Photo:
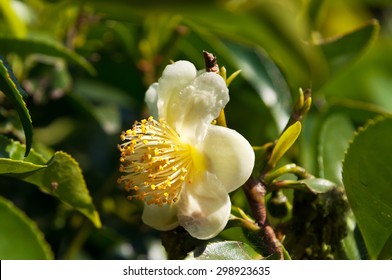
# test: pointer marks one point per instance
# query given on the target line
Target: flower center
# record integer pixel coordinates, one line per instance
(157, 164)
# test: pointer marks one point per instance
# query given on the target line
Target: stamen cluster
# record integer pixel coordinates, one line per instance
(154, 161)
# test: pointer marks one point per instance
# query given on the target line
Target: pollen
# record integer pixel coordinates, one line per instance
(155, 164)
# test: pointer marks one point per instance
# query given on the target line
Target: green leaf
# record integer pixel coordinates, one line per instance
(334, 138)
(266, 78)
(385, 253)
(314, 185)
(10, 149)
(335, 135)
(9, 166)
(60, 177)
(14, 22)
(370, 93)
(367, 170)
(45, 46)
(344, 49)
(224, 250)
(318, 185)
(64, 172)
(285, 141)
(20, 238)
(11, 88)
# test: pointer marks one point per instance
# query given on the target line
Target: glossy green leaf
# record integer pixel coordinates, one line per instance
(266, 78)
(314, 185)
(370, 93)
(20, 238)
(335, 135)
(14, 150)
(344, 49)
(367, 170)
(63, 179)
(318, 185)
(12, 89)
(284, 143)
(60, 177)
(224, 250)
(45, 46)
(9, 166)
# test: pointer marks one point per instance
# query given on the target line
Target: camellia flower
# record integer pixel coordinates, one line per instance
(179, 163)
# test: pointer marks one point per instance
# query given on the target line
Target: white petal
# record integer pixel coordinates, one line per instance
(229, 156)
(198, 105)
(174, 78)
(204, 208)
(151, 99)
(161, 218)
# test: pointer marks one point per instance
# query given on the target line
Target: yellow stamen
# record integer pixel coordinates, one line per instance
(155, 163)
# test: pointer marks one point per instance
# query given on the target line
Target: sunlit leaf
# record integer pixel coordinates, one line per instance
(344, 49)
(370, 93)
(335, 135)
(63, 179)
(9, 166)
(60, 177)
(366, 175)
(336, 132)
(14, 22)
(314, 185)
(11, 88)
(20, 238)
(225, 250)
(285, 141)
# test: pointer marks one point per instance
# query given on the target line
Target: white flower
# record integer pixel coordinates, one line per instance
(179, 163)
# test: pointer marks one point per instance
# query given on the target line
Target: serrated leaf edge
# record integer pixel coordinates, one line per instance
(361, 129)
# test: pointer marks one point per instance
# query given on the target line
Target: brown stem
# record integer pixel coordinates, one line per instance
(255, 192)
(256, 189)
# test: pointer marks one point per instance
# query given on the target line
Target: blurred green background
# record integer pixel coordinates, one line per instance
(86, 65)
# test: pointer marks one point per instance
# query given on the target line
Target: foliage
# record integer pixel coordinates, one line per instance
(73, 75)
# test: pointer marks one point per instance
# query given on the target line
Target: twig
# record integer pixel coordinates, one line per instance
(255, 192)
